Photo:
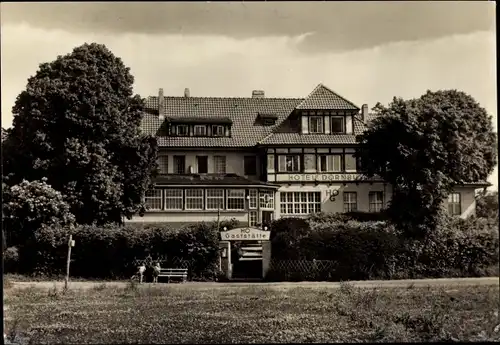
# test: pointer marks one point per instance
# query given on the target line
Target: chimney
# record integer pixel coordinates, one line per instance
(258, 94)
(161, 102)
(186, 92)
(364, 112)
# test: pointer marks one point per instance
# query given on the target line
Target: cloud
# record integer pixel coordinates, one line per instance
(218, 65)
(337, 26)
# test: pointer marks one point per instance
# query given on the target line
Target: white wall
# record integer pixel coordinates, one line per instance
(329, 206)
(468, 200)
(234, 160)
(188, 216)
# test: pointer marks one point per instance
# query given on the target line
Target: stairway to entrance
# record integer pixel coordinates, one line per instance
(249, 265)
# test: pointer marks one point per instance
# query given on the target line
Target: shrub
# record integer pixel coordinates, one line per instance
(461, 247)
(375, 249)
(323, 217)
(30, 205)
(11, 259)
(112, 251)
(286, 234)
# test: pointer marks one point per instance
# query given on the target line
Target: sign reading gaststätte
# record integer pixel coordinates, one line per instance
(249, 234)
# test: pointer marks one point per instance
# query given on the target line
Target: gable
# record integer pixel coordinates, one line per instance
(322, 98)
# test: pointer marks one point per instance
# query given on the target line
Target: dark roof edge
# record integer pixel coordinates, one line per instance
(479, 184)
(229, 98)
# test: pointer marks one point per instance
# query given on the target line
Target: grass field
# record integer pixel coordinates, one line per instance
(177, 313)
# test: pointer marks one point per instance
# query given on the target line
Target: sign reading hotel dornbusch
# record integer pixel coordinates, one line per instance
(320, 177)
(245, 234)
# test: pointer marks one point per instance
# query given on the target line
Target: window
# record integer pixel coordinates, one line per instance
(315, 124)
(376, 201)
(253, 198)
(194, 199)
(289, 163)
(454, 204)
(215, 199)
(350, 162)
(250, 165)
(267, 200)
(337, 124)
(253, 218)
(163, 164)
(330, 163)
(350, 201)
(270, 162)
(300, 203)
(309, 162)
(173, 199)
(235, 199)
(202, 162)
(200, 130)
(220, 164)
(182, 130)
(153, 199)
(179, 164)
(218, 131)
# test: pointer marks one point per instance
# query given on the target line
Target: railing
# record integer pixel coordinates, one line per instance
(286, 270)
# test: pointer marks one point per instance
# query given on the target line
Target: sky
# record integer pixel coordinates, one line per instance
(368, 52)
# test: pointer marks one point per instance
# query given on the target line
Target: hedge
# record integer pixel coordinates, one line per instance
(344, 248)
(111, 251)
(376, 250)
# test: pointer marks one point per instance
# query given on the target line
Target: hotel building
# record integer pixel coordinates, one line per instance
(257, 159)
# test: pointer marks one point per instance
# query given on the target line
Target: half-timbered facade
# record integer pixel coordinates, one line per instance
(256, 159)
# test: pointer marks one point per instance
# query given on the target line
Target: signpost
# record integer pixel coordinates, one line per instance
(71, 243)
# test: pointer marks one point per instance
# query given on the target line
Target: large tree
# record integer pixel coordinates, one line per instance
(487, 204)
(424, 147)
(78, 124)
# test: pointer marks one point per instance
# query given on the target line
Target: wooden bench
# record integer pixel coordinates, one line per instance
(174, 273)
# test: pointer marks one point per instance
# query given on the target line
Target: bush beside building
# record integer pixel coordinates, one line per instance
(112, 251)
(339, 247)
(323, 247)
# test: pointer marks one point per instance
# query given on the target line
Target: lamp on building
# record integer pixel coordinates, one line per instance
(224, 228)
(265, 228)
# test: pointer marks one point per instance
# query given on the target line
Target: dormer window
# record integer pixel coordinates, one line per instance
(182, 130)
(316, 124)
(200, 130)
(267, 119)
(337, 124)
(217, 131)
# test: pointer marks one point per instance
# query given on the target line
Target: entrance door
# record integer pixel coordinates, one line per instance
(246, 258)
(202, 164)
(267, 218)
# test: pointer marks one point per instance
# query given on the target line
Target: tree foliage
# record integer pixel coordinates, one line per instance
(487, 204)
(28, 206)
(424, 147)
(78, 124)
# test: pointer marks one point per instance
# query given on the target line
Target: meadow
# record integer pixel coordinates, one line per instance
(246, 313)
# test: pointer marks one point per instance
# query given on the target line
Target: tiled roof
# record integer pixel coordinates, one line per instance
(287, 134)
(308, 139)
(478, 184)
(207, 120)
(243, 113)
(209, 179)
(324, 98)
